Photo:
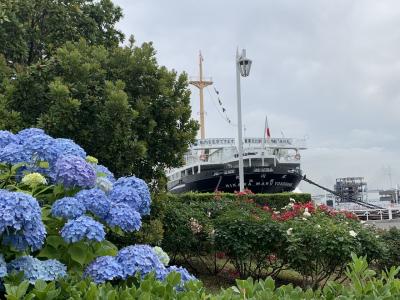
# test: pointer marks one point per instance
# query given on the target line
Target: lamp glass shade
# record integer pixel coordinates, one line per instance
(245, 66)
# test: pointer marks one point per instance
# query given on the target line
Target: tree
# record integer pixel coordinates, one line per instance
(31, 31)
(123, 108)
(62, 69)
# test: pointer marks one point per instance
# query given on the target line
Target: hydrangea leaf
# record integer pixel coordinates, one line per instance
(17, 292)
(49, 252)
(173, 278)
(78, 253)
(105, 248)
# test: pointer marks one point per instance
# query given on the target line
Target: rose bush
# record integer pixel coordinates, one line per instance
(258, 241)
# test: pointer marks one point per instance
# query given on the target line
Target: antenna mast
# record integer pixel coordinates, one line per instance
(201, 84)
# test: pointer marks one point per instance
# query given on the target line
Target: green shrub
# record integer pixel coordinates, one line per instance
(187, 231)
(320, 247)
(276, 201)
(391, 238)
(252, 241)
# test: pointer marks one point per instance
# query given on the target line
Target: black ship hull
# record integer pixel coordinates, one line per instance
(257, 181)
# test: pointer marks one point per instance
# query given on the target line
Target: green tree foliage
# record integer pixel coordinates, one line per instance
(117, 103)
(61, 69)
(31, 31)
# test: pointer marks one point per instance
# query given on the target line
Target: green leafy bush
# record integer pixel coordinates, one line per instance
(361, 283)
(258, 241)
(252, 241)
(391, 238)
(320, 247)
(276, 201)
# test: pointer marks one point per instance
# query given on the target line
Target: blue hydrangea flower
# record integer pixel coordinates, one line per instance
(95, 201)
(13, 154)
(40, 147)
(138, 258)
(74, 171)
(104, 172)
(124, 188)
(54, 269)
(6, 138)
(68, 208)
(82, 228)
(68, 147)
(35, 269)
(103, 268)
(123, 216)
(28, 132)
(21, 223)
(161, 274)
(3, 266)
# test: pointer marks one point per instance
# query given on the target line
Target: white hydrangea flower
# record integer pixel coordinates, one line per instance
(289, 231)
(292, 200)
(318, 226)
(34, 179)
(162, 255)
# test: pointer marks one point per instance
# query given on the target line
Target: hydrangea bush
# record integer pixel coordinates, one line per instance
(56, 199)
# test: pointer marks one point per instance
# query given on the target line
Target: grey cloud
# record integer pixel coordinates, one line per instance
(325, 69)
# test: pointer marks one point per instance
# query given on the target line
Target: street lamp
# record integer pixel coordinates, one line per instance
(243, 65)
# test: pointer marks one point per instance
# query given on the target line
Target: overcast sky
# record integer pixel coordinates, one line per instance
(325, 70)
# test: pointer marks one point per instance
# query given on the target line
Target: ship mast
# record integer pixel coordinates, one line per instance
(200, 83)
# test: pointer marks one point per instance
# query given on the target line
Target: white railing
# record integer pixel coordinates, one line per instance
(281, 143)
(377, 214)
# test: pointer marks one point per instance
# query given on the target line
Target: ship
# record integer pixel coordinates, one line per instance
(271, 165)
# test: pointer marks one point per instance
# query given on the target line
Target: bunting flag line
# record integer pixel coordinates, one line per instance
(223, 114)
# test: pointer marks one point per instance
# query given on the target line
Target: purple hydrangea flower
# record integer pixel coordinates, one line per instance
(138, 258)
(95, 201)
(21, 223)
(125, 186)
(6, 138)
(74, 171)
(82, 228)
(68, 208)
(123, 216)
(103, 268)
(35, 269)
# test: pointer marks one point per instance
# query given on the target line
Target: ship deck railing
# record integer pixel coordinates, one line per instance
(250, 142)
(222, 158)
